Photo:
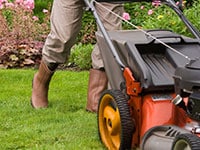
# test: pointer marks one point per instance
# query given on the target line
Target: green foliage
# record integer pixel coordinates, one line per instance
(81, 56)
(8, 16)
(138, 13)
(159, 19)
(40, 5)
(193, 14)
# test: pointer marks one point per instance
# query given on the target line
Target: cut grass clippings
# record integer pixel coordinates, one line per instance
(64, 125)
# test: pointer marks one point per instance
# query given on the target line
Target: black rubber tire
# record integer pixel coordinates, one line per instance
(186, 141)
(117, 104)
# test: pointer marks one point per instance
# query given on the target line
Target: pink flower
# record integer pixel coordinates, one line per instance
(142, 7)
(9, 4)
(150, 12)
(2, 2)
(35, 18)
(126, 16)
(45, 11)
(29, 4)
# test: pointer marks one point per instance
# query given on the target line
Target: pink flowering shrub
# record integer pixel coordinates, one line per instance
(21, 34)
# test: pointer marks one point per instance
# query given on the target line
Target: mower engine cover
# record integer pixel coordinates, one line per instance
(188, 78)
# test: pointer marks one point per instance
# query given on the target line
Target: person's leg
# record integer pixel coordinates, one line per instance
(65, 25)
(97, 77)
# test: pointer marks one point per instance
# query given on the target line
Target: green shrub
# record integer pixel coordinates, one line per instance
(138, 13)
(40, 5)
(164, 17)
(81, 56)
(193, 14)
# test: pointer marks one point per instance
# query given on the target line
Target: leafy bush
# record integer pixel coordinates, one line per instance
(193, 14)
(158, 18)
(138, 13)
(40, 5)
(81, 56)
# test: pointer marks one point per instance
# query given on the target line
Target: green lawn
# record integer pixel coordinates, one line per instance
(64, 125)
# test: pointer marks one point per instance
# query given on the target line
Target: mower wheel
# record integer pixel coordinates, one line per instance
(114, 121)
(186, 141)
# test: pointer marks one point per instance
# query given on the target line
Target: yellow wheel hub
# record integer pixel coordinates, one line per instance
(109, 122)
(114, 121)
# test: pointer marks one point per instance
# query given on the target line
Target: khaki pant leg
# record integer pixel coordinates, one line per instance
(110, 22)
(66, 19)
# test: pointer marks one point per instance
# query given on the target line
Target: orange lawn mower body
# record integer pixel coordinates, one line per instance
(153, 99)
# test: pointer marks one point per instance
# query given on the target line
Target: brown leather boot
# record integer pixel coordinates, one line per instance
(41, 80)
(97, 84)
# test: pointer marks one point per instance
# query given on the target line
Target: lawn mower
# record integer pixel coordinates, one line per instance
(153, 99)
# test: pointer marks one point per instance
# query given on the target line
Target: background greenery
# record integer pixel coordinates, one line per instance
(21, 40)
(40, 5)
